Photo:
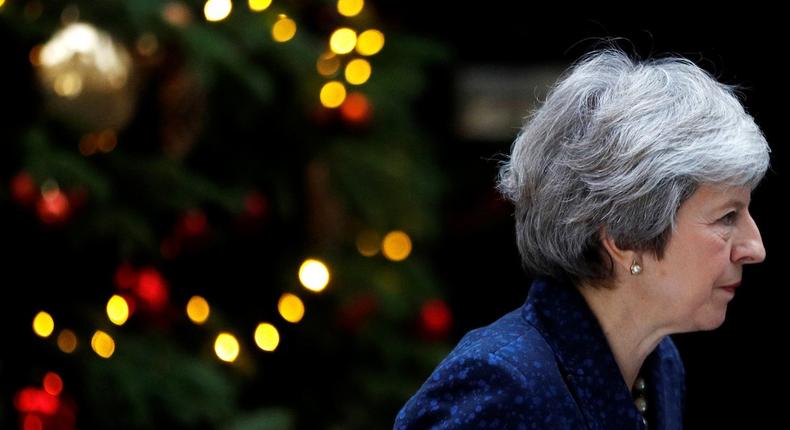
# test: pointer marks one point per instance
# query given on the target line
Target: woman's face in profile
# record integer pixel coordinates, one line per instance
(714, 238)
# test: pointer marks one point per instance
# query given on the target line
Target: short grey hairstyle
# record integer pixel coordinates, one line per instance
(621, 143)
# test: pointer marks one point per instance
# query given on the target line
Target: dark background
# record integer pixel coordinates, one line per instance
(735, 375)
(731, 372)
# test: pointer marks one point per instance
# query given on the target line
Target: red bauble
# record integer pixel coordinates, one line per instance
(435, 318)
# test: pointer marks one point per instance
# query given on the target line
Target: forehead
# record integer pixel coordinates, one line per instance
(709, 197)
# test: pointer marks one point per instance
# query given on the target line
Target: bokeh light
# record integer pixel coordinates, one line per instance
(259, 5)
(436, 317)
(328, 64)
(198, 309)
(53, 206)
(333, 94)
(217, 10)
(67, 341)
(343, 40)
(368, 243)
(52, 383)
(284, 29)
(350, 8)
(396, 245)
(103, 344)
(117, 310)
(226, 347)
(370, 42)
(43, 324)
(357, 71)
(267, 337)
(314, 275)
(356, 109)
(32, 422)
(291, 307)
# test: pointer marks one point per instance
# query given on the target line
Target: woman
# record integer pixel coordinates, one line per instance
(631, 186)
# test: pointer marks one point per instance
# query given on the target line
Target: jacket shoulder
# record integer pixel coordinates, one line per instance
(501, 376)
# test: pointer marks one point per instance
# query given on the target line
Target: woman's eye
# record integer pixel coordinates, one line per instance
(730, 217)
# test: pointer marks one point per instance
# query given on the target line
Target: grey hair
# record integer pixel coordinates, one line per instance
(621, 143)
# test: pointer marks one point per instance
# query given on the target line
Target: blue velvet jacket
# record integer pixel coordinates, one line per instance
(547, 365)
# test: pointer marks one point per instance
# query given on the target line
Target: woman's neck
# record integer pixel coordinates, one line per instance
(627, 324)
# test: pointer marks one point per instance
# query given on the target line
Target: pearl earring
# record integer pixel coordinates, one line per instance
(636, 268)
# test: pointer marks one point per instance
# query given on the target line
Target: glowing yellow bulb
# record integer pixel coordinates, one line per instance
(198, 309)
(358, 71)
(284, 29)
(314, 275)
(67, 341)
(396, 245)
(2, 2)
(259, 5)
(266, 337)
(368, 243)
(370, 42)
(343, 40)
(291, 308)
(333, 94)
(43, 324)
(102, 344)
(117, 310)
(226, 347)
(350, 7)
(217, 10)
(327, 64)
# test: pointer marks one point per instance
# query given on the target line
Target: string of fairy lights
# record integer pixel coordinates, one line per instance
(346, 47)
(313, 275)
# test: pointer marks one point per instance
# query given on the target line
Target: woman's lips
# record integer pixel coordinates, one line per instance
(731, 288)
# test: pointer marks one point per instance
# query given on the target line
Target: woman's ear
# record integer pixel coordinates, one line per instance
(622, 258)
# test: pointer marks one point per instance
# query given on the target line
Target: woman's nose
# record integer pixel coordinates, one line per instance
(749, 249)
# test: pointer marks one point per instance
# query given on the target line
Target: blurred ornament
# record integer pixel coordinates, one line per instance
(355, 110)
(177, 14)
(189, 234)
(192, 224)
(435, 318)
(152, 289)
(36, 400)
(87, 77)
(23, 189)
(52, 383)
(53, 206)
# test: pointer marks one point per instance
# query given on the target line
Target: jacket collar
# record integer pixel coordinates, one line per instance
(560, 313)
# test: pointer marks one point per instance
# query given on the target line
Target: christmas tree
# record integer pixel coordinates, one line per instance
(216, 215)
